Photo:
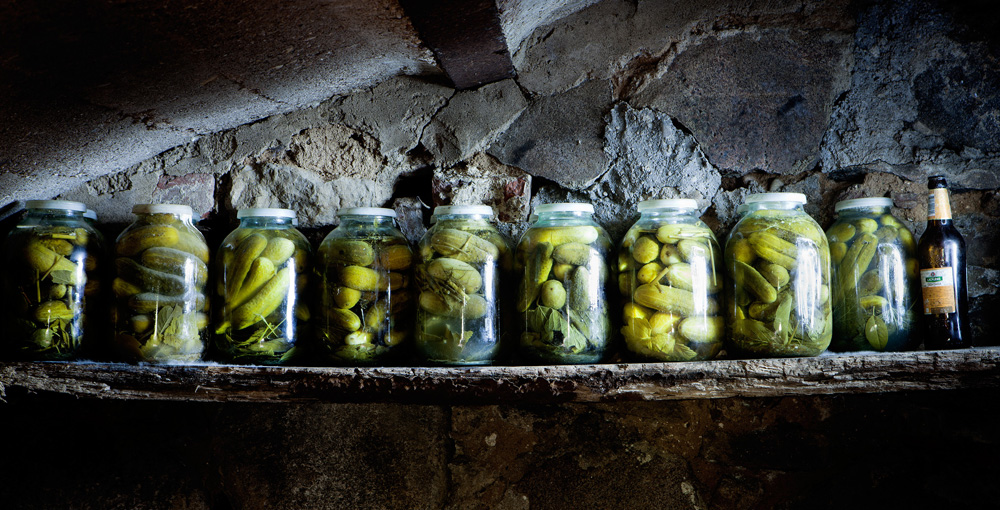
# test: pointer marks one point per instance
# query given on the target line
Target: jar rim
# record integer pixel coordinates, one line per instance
(62, 205)
(366, 211)
(856, 203)
(178, 209)
(781, 196)
(265, 212)
(481, 210)
(565, 207)
(667, 203)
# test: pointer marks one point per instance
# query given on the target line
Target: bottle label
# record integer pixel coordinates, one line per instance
(938, 205)
(938, 285)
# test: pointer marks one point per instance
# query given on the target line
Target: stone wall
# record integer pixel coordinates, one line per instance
(623, 101)
(614, 102)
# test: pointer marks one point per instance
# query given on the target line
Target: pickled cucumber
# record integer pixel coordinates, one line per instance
(873, 283)
(160, 290)
(779, 295)
(362, 272)
(458, 275)
(562, 294)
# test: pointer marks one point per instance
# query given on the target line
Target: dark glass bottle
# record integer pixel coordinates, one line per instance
(941, 254)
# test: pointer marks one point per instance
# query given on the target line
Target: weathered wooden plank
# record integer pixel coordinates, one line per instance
(847, 374)
(466, 38)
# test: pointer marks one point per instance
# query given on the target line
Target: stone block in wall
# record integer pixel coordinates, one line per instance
(195, 190)
(471, 120)
(324, 169)
(755, 99)
(924, 98)
(484, 180)
(560, 138)
(395, 112)
(112, 196)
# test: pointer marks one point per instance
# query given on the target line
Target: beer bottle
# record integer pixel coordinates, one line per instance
(941, 255)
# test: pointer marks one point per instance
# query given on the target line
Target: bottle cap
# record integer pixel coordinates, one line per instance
(565, 207)
(856, 203)
(775, 197)
(478, 210)
(667, 203)
(178, 209)
(265, 212)
(366, 211)
(62, 205)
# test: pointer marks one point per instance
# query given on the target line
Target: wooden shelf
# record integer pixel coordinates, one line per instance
(836, 374)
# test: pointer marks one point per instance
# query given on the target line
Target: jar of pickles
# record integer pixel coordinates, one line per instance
(562, 263)
(778, 298)
(52, 263)
(261, 285)
(459, 278)
(670, 278)
(874, 277)
(364, 289)
(161, 265)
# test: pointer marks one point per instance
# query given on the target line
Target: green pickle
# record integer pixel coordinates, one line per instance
(873, 288)
(671, 304)
(562, 262)
(778, 299)
(262, 281)
(52, 282)
(364, 286)
(458, 274)
(161, 305)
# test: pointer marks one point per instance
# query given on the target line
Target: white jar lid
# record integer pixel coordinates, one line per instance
(667, 203)
(366, 211)
(478, 210)
(90, 214)
(63, 205)
(565, 207)
(265, 212)
(178, 209)
(855, 203)
(775, 197)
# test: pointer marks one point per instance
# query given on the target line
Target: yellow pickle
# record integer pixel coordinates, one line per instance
(778, 298)
(874, 281)
(671, 304)
(363, 277)
(262, 280)
(161, 274)
(562, 263)
(52, 280)
(462, 258)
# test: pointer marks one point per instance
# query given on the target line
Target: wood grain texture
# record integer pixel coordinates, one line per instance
(840, 374)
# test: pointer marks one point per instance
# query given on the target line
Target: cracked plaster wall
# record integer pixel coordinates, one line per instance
(615, 102)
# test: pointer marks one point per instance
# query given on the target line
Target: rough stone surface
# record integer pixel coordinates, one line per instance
(651, 158)
(411, 217)
(472, 120)
(923, 97)
(560, 138)
(755, 100)
(394, 112)
(92, 89)
(484, 180)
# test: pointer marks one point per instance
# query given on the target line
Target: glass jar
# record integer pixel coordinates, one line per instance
(261, 285)
(670, 278)
(364, 289)
(459, 278)
(562, 263)
(52, 264)
(778, 296)
(160, 303)
(874, 277)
